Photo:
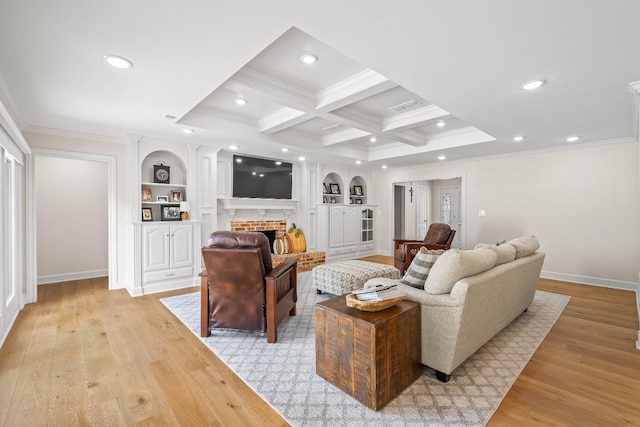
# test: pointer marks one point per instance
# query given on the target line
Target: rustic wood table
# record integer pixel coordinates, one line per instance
(373, 356)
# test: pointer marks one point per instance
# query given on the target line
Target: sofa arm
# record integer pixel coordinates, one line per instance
(283, 267)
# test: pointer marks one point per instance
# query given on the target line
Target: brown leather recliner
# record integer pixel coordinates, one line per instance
(439, 236)
(240, 290)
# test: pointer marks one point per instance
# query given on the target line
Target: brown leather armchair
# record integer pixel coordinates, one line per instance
(240, 290)
(439, 236)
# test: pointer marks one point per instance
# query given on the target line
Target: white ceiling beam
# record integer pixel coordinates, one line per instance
(281, 119)
(408, 137)
(413, 118)
(355, 88)
(282, 92)
(343, 136)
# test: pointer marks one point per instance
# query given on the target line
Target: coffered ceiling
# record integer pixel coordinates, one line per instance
(460, 63)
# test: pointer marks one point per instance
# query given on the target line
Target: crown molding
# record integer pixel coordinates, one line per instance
(413, 117)
(343, 136)
(288, 94)
(281, 119)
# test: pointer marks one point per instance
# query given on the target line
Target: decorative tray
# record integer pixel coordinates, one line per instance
(354, 302)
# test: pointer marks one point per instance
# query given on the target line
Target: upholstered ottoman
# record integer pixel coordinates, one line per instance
(342, 277)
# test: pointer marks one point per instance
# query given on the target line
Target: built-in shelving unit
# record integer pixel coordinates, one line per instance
(358, 191)
(333, 190)
(155, 195)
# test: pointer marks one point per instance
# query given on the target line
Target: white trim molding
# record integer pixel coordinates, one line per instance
(586, 280)
(56, 278)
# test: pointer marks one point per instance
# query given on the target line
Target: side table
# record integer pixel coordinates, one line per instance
(372, 356)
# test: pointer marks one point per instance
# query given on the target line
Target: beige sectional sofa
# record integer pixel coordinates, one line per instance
(469, 296)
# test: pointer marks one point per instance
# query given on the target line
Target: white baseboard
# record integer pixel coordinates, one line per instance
(164, 287)
(586, 280)
(56, 278)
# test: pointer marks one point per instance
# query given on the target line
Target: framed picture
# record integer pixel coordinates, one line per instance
(146, 214)
(164, 199)
(176, 195)
(170, 213)
(325, 188)
(358, 201)
(333, 200)
(357, 190)
(324, 199)
(335, 188)
(146, 195)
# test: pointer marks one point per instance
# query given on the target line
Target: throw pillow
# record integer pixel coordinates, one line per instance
(505, 252)
(420, 267)
(454, 265)
(525, 246)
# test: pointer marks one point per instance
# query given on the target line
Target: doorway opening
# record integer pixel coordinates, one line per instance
(420, 203)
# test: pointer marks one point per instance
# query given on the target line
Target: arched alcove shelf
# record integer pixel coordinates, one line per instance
(358, 191)
(333, 190)
(169, 191)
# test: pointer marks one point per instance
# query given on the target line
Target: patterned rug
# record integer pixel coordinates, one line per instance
(292, 388)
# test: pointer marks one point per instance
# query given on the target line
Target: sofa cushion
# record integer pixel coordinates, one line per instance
(420, 267)
(454, 265)
(505, 252)
(525, 246)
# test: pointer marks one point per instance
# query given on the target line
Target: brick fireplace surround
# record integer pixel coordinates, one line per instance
(306, 260)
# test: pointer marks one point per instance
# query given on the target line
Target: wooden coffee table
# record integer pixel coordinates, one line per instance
(372, 356)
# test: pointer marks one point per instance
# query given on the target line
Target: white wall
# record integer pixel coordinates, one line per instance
(582, 204)
(71, 211)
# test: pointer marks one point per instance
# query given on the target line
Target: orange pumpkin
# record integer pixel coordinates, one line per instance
(297, 244)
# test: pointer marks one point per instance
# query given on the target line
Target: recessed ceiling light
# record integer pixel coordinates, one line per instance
(233, 147)
(358, 162)
(118, 61)
(308, 58)
(442, 157)
(261, 175)
(302, 158)
(373, 139)
(285, 149)
(187, 131)
(241, 101)
(384, 166)
(518, 138)
(533, 84)
(573, 138)
(441, 123)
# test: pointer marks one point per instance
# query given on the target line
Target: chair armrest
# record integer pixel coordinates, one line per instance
(398, 242)
(283, 267)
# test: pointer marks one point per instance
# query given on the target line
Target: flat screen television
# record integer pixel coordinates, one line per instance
(261, 178)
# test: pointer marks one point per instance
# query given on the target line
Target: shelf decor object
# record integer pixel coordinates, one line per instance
(146, 214)
(161, 174)
(185, 208)
(146, 195)
(170, 213)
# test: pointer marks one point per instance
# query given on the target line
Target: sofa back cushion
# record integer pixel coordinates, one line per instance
(505, 252)
(525, 246)
(420, 267)
(454, 265)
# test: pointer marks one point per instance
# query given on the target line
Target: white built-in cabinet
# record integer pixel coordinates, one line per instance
(345, 231)
(167, 252)
(167, 247)
(344, 220)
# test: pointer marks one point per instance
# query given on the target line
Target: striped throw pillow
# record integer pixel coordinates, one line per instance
(420, 267)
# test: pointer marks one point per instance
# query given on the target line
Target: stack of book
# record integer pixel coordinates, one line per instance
(379, 293)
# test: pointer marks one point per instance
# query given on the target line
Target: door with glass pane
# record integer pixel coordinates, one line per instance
(366, 229)
(449, 205)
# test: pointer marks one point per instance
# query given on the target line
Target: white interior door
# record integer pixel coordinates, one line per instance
(11, 277)
(449, 206)
(422, 213)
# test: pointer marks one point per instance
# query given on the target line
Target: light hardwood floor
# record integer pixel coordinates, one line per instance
(83, 355)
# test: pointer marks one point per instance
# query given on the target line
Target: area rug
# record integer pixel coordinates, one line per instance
(284, 373)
